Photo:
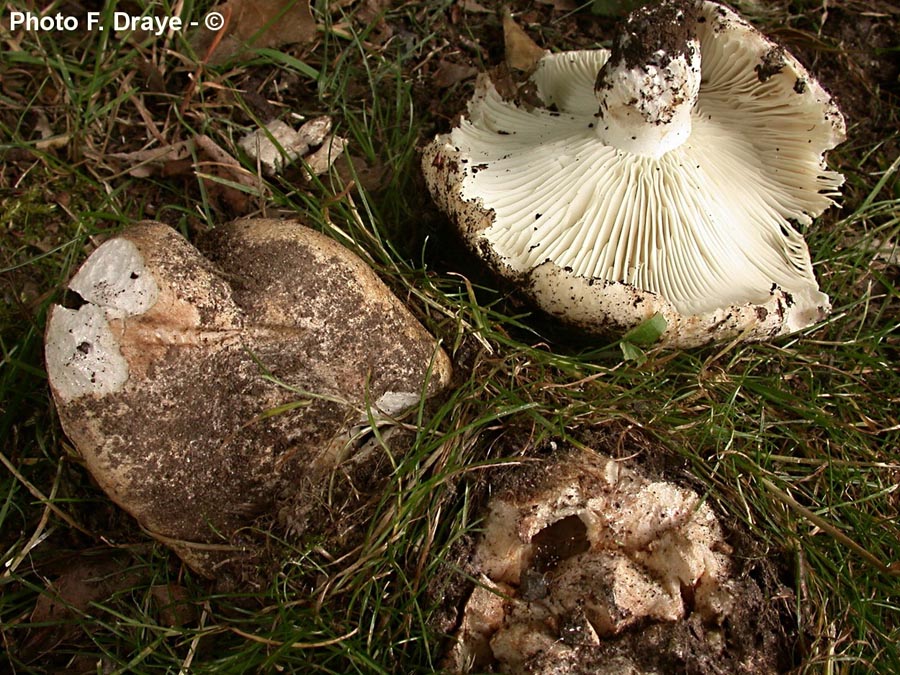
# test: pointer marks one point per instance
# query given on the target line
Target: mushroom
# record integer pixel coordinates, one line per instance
(199, 389)
(581, 555)
(668, 177)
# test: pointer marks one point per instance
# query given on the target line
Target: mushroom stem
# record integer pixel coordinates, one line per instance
(650, 85)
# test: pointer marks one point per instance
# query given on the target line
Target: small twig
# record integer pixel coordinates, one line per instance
(220, 159)
(194, 545)
(189, 93)
(42, 498)
(294, 645)
(147, 118)
(824, 525)
(192, 650)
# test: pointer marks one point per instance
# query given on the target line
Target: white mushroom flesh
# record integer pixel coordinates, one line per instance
(584, 550)
(83, 348)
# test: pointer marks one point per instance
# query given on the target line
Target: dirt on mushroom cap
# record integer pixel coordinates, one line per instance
(243, 379)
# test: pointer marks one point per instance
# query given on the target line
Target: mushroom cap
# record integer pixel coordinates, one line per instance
(198, 388)
(606, 235)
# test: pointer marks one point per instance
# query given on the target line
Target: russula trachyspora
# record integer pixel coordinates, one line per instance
(667, 176)
(586, 565)
(199, 387)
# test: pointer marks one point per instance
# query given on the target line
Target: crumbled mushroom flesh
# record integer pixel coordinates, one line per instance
(587, 551)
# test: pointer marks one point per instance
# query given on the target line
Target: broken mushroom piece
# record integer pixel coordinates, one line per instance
(668, 176)
(200, 388)
(277, 145)
(584, 563)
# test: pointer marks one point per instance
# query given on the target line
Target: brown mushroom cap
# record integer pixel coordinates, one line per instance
(198, 388)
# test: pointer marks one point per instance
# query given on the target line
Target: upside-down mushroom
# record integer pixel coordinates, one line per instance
(667, 176)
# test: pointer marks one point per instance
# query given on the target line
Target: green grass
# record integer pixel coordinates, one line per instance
(796, 441)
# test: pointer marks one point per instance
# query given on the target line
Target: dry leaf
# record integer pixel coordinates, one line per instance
(273, 146)
(448, 74)
(371, 13)
(278, 144)
(522, 53)
(220, 173)
(474, 7)
(49, 140)
(154, 161)
(254, 24)
(314, 132)
(86, 580)
(217, 169)
(215, 163)
(367, 177)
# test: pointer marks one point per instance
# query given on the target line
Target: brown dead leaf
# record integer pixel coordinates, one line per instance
(357, 170)
(218, 170)
(173, 605)
(474, 7)
(255, 24)
(320, 161)
(278, 144)
(86, 580)
(522, 53)
(153, 161)
(448, 74)
(221, 174)
(505, 82)
(371, 13)
(49, 140)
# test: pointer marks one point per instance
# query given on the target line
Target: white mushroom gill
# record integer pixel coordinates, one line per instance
(707, 219)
